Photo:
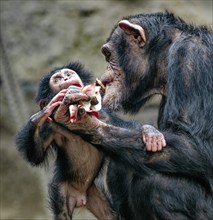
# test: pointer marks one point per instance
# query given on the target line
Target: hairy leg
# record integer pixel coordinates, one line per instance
(98, 204)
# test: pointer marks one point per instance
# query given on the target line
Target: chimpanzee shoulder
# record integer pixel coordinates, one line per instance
(174, 61)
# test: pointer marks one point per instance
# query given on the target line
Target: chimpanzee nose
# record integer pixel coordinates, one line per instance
(66, 77)
(103, 48)
(106, 51)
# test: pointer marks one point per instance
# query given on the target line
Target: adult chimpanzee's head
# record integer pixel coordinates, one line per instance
(137, 50)
(61, 78)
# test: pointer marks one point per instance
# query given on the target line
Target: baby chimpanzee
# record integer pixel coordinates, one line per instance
(78, 162)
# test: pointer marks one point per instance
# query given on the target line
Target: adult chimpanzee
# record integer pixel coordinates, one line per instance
(78, 162)
(152, 54)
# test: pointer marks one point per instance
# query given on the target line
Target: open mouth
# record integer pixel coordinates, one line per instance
(101, 84)
(106, 84)
(78, 85)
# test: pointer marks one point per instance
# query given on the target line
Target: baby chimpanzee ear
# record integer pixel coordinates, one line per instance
(42, 104)
(135, 30)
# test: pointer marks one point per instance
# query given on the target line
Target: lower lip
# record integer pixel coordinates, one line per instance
(78, 85)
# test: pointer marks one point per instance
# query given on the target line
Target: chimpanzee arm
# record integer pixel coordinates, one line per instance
(35, 138)
(180, 157)
(33, 142)
(183, 156)
(122, 143)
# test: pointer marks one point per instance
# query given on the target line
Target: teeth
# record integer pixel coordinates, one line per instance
(99, 83)
(106, 88)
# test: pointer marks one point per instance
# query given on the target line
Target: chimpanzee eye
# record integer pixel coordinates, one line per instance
(57, 79)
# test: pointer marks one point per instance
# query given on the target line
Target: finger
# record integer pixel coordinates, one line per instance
(49, 120)
(73, 110)
(55, 104)
(159, 146)
(47, 112)
(73, 89)
(144, 138)
(58, 97)
(73, 98)
(154, 145)
(163, 142)
(42, 120)
(49, 109)
(148, 144)
(63, 91)
(62, 109)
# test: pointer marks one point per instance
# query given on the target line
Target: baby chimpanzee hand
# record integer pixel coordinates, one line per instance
(46, 110)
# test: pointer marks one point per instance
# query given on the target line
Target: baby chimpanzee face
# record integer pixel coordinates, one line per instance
(63, 79)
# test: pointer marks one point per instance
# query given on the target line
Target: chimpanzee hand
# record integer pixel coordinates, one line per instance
(42, 116)
(73, 96)
(87, 123)
(153, 138)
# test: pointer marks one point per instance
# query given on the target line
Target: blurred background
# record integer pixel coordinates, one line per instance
(38, 35)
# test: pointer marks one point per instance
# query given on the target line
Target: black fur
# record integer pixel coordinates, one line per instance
(44, 89)
(27, 146)
(24, 139)
(31, 145)
(31, 148)
(176, 183)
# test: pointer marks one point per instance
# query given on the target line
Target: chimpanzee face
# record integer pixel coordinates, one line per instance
(125, 64)
(63, 79)
(113, 79)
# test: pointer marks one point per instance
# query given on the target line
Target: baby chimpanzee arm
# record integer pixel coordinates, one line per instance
(33, 141)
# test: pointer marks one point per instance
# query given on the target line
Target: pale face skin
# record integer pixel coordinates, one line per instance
(63, 79)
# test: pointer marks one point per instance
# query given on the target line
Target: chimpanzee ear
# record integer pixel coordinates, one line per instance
(135, 30)
(42, 104)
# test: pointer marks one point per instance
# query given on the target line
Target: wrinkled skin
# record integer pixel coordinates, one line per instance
(63, 79)
(153, 139)
(158, 54)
